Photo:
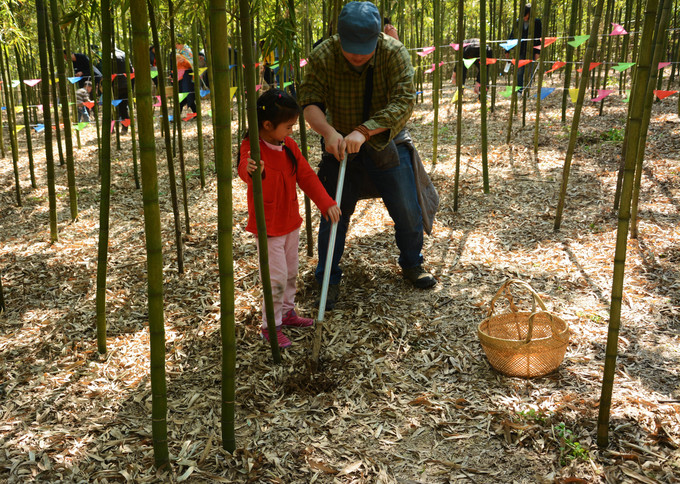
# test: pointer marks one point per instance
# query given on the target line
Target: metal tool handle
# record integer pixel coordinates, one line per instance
(331, 242)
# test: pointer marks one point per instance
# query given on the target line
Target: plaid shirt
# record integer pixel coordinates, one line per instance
(332, 82)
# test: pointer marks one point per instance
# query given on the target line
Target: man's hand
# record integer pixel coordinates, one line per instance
(335, 145)
(354, 140)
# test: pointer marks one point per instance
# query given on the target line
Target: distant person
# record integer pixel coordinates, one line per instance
(120, 85)
(472, 49)
(283, 169)
(83, 96)
(81, 68)
(184, 60)
(537, 34)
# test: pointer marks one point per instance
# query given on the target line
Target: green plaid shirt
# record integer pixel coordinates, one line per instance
(331, 81)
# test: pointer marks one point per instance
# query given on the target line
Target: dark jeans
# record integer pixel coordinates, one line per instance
(397, 189)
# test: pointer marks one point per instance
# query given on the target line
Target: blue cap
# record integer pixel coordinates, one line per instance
(359, 27)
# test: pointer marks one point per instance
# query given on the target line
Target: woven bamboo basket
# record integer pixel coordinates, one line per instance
(520, 343)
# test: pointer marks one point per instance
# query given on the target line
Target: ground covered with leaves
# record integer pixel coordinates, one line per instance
(403, 392)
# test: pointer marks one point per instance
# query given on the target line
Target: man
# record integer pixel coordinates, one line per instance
(358, 94)
(537, 34)
(472, 50)
(120, 86)
(81, 68)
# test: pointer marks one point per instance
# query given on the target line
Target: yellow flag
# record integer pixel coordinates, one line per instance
(19, 127)
(202, 70)
(573, 93)
(232, 91)
(455, 96)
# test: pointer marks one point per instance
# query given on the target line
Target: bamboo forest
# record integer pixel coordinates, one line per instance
(538, 341)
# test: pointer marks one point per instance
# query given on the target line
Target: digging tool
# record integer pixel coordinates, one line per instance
(316, 346)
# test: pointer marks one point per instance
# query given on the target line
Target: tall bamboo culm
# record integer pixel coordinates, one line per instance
(220, 87)
(539, 87)
(484, 75)
(459, 89)
(152, 231)
(197, 97)
(165, 123)
(47, 116)
(635, 121)
(592, 43)
(436, 84)
(659, 50)
(11, 121)
(27, 121)
(253, 134)
(105, 178)
(570, 57)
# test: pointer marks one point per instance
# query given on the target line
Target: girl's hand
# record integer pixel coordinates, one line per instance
(252, 166)
(333, 214)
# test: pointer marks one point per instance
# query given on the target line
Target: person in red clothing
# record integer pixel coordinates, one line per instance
(283, 169)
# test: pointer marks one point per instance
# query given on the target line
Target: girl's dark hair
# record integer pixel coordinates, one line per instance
(276, 106)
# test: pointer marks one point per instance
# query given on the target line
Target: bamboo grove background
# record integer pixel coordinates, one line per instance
(34, 34)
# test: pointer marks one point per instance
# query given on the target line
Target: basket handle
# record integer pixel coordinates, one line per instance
(505, 288)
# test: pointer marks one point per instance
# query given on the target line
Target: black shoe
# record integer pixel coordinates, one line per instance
(419, 277)
(331, 296)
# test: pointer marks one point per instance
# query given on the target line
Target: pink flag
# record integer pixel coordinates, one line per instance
(441, 63)
(113, 123)
(455, 46)
(618, 30)
(257, 88)
(159, 101)
(180, 74)
(303, 62)
(431, 69)
(426, 51)
(31, 82)
(601, 94)
(663, 64)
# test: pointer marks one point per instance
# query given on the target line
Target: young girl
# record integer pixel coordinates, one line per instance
(283, 168)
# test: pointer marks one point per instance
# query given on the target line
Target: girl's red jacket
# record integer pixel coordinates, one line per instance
(279, 188)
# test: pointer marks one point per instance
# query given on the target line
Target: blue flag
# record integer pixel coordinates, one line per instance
(509, 44)
(205, 92)
(116, 102)
(545, 92)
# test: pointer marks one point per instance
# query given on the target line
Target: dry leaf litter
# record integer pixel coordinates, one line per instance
(404, 393)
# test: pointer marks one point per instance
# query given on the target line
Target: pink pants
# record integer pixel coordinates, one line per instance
(283, 271)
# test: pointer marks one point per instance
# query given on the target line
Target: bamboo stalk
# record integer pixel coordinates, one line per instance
(483, 77)
(131, 99)
(11, 121)
(253, 133)
(197, 96)
(537, 125)
(592, 42)
(459, 87)
(105, 179)
(637, 100)
(47, 116)
(166, 130)
(27, 121)
(152, 230)
(659, 50)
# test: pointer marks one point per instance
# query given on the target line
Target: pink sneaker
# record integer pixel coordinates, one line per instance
(282, 339)
(292, 319)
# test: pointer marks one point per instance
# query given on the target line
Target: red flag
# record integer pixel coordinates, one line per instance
(125, 122)
(556, 65)
(522, 62)
(490, 60)
(663, 94)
